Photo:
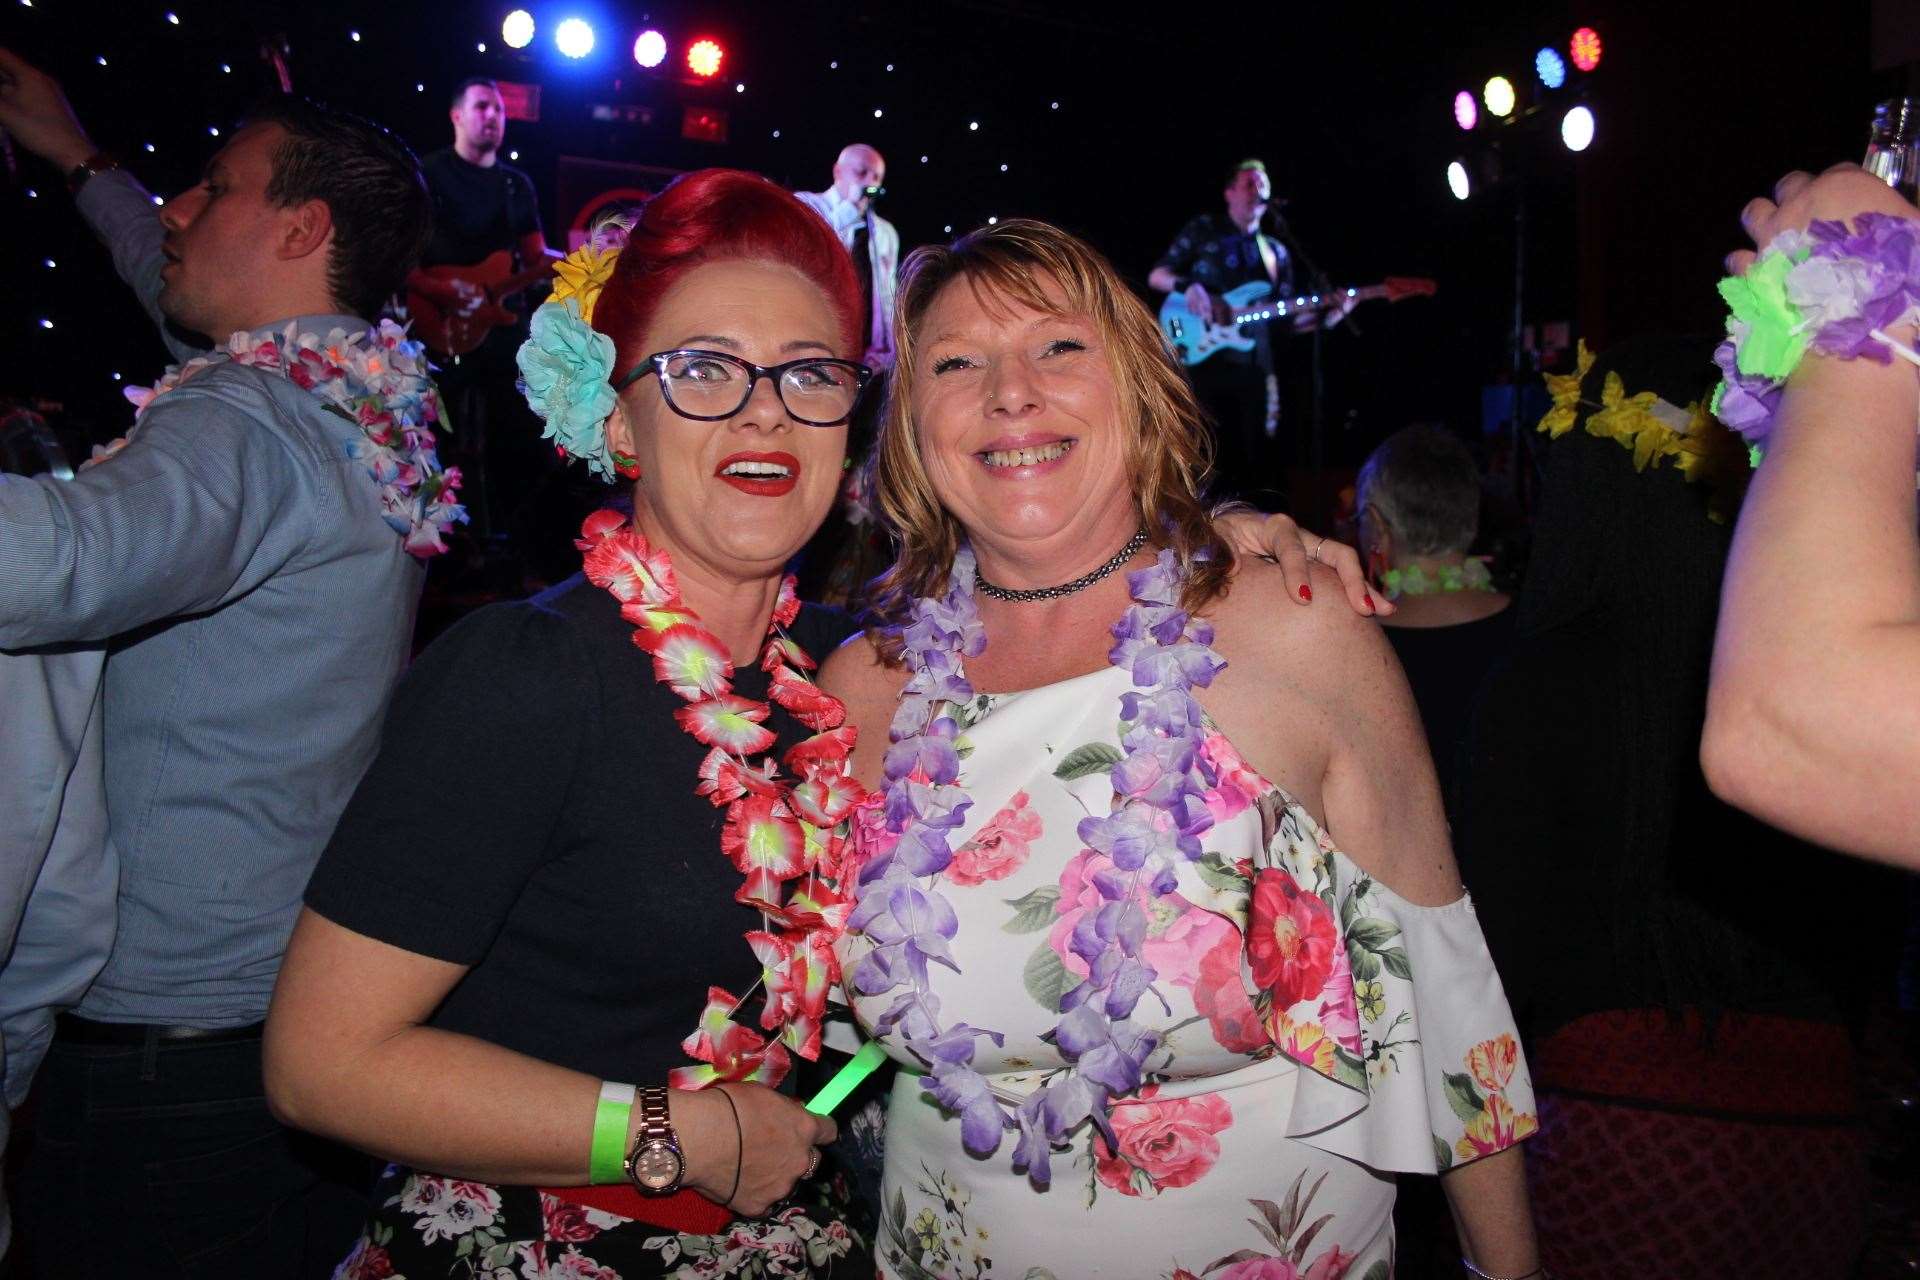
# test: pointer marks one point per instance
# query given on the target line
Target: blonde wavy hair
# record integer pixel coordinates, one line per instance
(1169, 447)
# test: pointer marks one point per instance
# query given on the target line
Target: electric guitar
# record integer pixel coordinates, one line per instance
(452, 331)
(1194, 338)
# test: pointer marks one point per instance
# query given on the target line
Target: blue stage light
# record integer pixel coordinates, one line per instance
(1550, 67)
(574, 38)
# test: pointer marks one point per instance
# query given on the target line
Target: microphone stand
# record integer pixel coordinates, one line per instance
(1316, 516)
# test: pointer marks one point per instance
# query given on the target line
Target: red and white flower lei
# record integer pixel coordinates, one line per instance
(785, 837)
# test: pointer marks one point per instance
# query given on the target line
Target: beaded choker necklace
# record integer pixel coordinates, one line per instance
(1085, 580)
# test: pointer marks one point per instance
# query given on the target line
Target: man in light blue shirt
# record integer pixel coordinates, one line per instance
(243, 569)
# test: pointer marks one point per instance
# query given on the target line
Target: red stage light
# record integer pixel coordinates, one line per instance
(1585, 48)
(704, 57)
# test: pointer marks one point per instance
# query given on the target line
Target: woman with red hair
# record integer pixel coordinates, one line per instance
(524, 911)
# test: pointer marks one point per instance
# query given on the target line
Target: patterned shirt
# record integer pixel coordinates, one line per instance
(1212, 251)
(258, 611)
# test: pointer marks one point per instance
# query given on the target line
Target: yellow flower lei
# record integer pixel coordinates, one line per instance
(1703, 448)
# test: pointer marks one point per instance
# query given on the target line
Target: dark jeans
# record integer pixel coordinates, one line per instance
(162, 1161)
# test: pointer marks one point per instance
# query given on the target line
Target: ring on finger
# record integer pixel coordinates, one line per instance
(813, 1165)
(1314, 555)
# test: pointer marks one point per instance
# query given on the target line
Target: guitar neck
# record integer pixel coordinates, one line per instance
(525, 280)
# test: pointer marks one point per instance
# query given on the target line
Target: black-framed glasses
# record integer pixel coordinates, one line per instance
(710, 385)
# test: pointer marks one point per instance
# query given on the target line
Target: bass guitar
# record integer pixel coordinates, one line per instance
(1194, 338)
(454, 330)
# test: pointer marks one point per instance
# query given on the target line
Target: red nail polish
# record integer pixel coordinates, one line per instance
(1306, 592)
(1368, 597)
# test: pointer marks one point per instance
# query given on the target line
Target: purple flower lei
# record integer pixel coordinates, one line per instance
(1847, 285)
(1160, 783)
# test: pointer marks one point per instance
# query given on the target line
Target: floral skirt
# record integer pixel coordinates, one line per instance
(424, 1226)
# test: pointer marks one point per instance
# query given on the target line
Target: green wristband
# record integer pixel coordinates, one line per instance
(607, 1159)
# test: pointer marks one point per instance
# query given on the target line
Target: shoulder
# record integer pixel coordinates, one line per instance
(515, 177)
(522, 644)
(228, 406)
(815, 200)
(884, 229)
(857, 675)
(821, 628)
(855, 670)
(1259, 613)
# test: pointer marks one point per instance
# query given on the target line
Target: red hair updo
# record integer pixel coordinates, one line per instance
(716, 215)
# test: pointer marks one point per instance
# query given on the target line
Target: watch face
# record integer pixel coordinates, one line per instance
(656, 1166)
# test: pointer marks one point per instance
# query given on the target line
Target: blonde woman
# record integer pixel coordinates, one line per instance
(1156, 903)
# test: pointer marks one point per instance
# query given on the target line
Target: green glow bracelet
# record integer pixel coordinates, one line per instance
(845, 1080)
(606, 1160)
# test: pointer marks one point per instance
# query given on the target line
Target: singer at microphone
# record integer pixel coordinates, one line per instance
(847, 205)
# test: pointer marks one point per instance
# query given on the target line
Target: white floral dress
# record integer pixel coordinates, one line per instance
(1320, 1032)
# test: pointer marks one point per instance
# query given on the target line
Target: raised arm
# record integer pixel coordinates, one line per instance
(1813, 713)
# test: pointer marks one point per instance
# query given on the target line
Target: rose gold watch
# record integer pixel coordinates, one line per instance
(655, 1165)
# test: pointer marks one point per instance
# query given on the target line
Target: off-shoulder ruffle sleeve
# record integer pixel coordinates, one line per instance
(1411, 1059)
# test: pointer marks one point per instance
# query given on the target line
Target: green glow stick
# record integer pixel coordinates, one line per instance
(845, 1080)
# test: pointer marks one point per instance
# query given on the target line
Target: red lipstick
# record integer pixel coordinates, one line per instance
(764, 475)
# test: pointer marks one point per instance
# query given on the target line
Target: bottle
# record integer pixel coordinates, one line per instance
(1893, 145)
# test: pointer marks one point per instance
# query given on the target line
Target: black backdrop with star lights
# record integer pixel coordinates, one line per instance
(1115, 120)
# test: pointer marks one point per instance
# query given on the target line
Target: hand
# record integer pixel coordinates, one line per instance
(1250, 533)
(34, 110)
(776, 1143)
(1199, 301)
(1842, 193)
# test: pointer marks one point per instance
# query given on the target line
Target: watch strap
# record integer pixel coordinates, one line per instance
(97, 163)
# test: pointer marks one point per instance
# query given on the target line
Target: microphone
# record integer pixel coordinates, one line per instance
(873, 193)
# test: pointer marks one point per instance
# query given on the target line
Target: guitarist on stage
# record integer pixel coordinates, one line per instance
(1213, 253)
(482, 205)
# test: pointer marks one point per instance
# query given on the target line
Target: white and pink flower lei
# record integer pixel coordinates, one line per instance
(376, 379)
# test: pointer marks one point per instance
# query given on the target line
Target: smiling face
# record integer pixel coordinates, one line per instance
(221, 238)
(741, 495)
(1017, 416)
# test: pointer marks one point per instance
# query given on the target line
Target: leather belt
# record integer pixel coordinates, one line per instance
(71, 1028)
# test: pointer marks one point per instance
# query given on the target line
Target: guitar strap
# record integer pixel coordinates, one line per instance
(1269, 258)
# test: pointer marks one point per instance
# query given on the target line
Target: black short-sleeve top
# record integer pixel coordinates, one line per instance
(532, 815)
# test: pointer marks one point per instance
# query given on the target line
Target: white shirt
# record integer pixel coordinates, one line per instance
(883, 248)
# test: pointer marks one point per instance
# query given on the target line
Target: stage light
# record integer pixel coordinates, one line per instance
(1576, 129)
(1498, 95)
(1466, 111)
(355, 36)
(1550, 67)
(517, 29)
(574, 38)
(704, 58)
(1458, 181)
(1585, 48)
(650, 49)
